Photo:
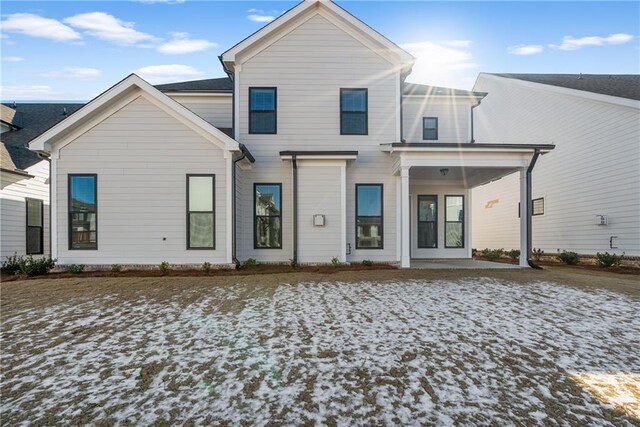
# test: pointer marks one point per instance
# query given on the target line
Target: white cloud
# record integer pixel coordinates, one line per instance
(259, 15)
(12, 58)
(571, 43)
(108, 27)
(438, 64)
(26, 92)
(38, 26)
(181, 43)
(156, 74)
(525, 49)
(81, 73)
(457, 43)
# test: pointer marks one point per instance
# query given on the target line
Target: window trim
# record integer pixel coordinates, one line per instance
(366, 110)
(189, 212)
(427, 222)
(95, 191)
(381, 216)
(255, 216)
(26, 247)
(424, 138)
(275, 110)
(532, 202)
(464, 214)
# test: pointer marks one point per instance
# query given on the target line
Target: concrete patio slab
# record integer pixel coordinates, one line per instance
(459, 264)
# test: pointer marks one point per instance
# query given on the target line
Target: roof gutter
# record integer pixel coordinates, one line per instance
(529, 204)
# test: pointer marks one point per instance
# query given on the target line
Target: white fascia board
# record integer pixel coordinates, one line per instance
(390, 149)
(327, 157)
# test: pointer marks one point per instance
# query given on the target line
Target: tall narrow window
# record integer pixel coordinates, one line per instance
(83, 211)
(263, 110)
(427, 221)
(454, 222)
(369, 230)
(353, 112)
(430, 128)
(268, 216)
(35, 234)
(201, 212)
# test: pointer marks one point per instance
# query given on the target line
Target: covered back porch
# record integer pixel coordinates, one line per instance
(436, 180)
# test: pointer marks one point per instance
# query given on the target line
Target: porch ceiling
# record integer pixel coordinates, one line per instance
(468, 177)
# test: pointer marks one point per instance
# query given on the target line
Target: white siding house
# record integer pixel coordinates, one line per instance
(594, 121)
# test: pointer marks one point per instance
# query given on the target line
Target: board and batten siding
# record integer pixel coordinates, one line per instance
(594, 169)
(141, 156)
(13, 213)
(215, 109)
(308, 66)
(452, 114)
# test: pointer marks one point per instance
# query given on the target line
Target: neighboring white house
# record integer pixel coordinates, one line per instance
(314, 148)
(587, 192)
(24, 178)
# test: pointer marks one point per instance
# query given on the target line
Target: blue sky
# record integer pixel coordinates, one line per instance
(75, 50)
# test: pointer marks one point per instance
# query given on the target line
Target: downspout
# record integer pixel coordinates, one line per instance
(472, 107)
(48, 159)
(402, 78)
(233, 209)
(294, 163)
(534, 159)
(229, 74)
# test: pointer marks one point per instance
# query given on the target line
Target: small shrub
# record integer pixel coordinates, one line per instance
(206, 268)
(12, 264)
(514, 254)
(492, 254)
(367, 262)
(294, 263)
(569, 258)
(250, 263)
(75, 268)
(537, 254)
(116, 268)
(36, 267)
(164, 267)
(474, 252)
(335, 262)
(607, 260)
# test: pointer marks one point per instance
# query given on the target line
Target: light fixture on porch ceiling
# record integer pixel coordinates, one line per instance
(444, 171)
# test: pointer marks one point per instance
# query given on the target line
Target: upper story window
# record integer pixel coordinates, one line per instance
(353, 112)
(83, 211)
(430, 128)
(263, 111)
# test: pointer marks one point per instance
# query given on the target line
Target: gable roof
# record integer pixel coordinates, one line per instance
(228, 58)
(618, 85)
(9, 116)
(415, 89)
(223, 84)
(35, 118)
(132, 85)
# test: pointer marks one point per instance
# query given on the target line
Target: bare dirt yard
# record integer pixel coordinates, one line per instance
(376, 347)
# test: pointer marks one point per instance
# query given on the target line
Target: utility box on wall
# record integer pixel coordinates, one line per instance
(601, 220)
(318, 220)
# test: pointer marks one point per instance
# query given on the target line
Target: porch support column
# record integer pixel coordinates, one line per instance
(523, 218)
(405, 259)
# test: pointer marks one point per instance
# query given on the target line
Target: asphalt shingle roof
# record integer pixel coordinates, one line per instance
(35, 119)
(427, 90)
(223, 84)
(620, 85)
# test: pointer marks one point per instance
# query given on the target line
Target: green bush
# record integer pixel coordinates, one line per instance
(335, 262)
(537, 254)
(569, 258)
(607, 260)
(116, 268)
(367, 262)
(75, 268)
(12, 264)
(36, 266)
(294, 263)
(206, 268)
(474, 252)
(514, 254)
(492, 254)
(250, 263)
(164, 267)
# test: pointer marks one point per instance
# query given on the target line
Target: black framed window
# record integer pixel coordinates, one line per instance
(83, 211)
(201, 221)
(263, 110)
(354, 112)
(369, 215)
(267, 206)
(430, 128)
(35, 228)
(537, 207)
(454, 222)
(427, 221)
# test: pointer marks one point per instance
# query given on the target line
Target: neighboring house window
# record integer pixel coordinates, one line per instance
(35, 229)
(369, 230)
(353, 112)
(537, 207)
(454, 222)
(263, 110)
(268, 216)
(201, 222)
(427, 221)
(430, 128)
(83, 211)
